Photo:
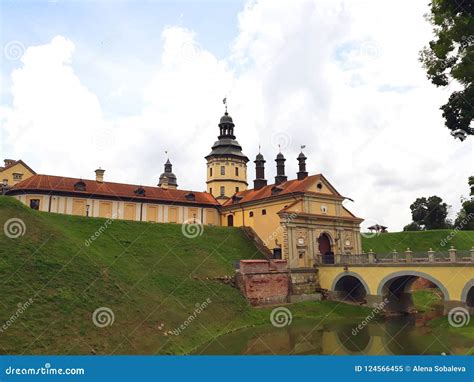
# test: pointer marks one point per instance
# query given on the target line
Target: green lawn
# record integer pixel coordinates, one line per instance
(149, 275)
(420, 241)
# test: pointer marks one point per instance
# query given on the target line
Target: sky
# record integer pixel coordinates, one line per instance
(116, 84)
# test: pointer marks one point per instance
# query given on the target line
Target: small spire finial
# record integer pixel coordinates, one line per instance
(302, 147)
(259, 147)
(224, 101)
(279, 148)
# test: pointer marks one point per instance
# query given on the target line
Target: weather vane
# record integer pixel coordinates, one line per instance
(302, 147)
(224, 101)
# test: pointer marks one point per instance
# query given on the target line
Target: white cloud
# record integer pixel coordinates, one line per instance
(340, 77)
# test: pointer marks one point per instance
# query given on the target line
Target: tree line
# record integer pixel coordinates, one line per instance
(432, 213)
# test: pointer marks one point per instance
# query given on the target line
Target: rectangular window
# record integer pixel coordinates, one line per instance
(236, 189)
(264, 212)
(236, 171)
(210, 190)
(210, 171)
(251, 214)
(222, 170)
(35, 204)
(222, 190)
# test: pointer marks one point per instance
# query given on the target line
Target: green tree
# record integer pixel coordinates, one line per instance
(412, 227)
(430, 213)
(465, 217)
(450, 56)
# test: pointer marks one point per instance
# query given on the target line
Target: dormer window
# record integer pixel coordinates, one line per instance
(190, 196)
(80, 186)
(17, 176)
(236, 198)
(276, 190)
(140, 191)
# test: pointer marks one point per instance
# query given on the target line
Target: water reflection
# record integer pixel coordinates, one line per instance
(399, 335)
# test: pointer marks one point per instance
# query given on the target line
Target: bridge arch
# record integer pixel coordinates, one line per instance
(467, 295)
(396, 289)
(350, 286)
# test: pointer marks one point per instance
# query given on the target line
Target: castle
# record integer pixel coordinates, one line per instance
(298, 220)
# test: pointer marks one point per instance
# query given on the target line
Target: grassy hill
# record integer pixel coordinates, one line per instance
(150, 275)
(420, 241)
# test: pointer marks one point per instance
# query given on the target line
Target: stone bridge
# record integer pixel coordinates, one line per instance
(365, 280)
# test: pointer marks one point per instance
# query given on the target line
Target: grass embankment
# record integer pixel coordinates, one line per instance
(149, 275)
(419, 241)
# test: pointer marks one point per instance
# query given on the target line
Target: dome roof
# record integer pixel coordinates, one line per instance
(280, 156)
(259, 157)
(226, 118)
(301, 156)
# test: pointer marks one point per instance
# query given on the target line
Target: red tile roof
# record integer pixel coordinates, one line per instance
(49, 183)
(289, 187)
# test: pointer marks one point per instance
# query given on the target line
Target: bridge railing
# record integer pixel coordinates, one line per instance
(407, 257)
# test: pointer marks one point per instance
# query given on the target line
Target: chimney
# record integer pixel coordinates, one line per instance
(260, 180)
(281, 177)
(302, 173)
(8, 162)
(99, 175)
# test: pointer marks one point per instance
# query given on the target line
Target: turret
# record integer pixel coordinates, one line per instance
(260, 180)
(168, 179)
(280, 161)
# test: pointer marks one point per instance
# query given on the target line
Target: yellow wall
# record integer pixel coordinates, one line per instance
(453, 278)
(17, 168)
(161, 213)
(229, 179)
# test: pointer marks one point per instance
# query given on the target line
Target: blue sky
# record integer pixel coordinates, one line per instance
(116, 84)
(128, 32)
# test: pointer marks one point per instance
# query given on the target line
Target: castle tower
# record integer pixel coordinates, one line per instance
(168, 179)
(280, 177)
(226, 164)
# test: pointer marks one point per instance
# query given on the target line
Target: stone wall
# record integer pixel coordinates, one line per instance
(264, 281)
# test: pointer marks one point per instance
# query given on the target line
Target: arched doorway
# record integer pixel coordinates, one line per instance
(324, 245)
(230, 220)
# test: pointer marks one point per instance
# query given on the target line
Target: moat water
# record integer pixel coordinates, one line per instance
(391, 336)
